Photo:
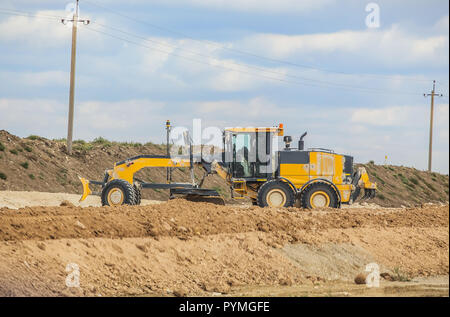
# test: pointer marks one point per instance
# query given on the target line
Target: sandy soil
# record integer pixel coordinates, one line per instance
(184, 248)
(21, 199)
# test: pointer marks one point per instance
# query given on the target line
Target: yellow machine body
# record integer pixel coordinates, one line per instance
(309, 178)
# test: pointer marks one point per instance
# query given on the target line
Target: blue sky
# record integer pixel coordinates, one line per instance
(355, 89)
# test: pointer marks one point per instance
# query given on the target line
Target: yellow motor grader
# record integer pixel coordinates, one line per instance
(253, 167)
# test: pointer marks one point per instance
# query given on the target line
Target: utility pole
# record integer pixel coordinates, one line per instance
(430, 147)
(74, 21)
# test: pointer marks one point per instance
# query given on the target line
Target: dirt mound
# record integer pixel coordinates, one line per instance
(182, 219)
(39, 164)
(187, 248)
(405, 186)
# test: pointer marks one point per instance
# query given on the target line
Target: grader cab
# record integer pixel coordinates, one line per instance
(255, 167)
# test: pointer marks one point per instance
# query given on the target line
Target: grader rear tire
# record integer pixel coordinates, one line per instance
(275, 194)
(319, 195)
(118, 192)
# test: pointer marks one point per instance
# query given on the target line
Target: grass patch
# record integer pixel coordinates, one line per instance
(131, 144)
(404, 180)
(430, 186)
(100, 140)
(372, 162)
(414, 180)
(2, 147)
(381, 196)
(31, 176)
(24, 165)
(400, 276)
(81, 145)
(33, 137)
(28, 149)
(381, 180)
(3, 176)
(14, 151)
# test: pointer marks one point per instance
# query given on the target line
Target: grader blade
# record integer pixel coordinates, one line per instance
(199, 195)
(206, 199)
(369, 193)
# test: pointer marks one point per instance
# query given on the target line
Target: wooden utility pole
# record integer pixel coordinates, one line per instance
(430, 147)
(74, 21)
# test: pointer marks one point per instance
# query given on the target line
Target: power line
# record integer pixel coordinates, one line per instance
(324, 84)
(265, 70)
(27, 14)
(317, 83)
(242, 52)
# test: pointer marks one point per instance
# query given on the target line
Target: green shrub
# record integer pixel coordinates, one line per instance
(24, 165)
(14, 151)
(100, 140)
(2, 147)
(31, 176)
(33, 137)
(3, 176)
(430, 186)
(400, 276)
(381, 196)
(414, 180)
(372, 162)
(81, 145)
(28, 149)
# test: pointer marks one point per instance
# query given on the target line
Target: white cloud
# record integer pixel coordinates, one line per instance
(392, 46)
(442, 25)
(100, 116)
(35, 79)
(389, 116)
(41, 32)
(265, 6)
(253, 110)
(269, 6)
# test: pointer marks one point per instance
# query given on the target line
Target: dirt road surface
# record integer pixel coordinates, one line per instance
(182, 248)
(21, 199)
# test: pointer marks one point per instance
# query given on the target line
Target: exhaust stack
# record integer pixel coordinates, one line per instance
(301, 143)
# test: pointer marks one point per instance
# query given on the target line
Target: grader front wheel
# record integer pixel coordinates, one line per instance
(118, 192)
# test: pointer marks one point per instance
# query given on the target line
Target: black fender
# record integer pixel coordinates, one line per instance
(294, 189)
